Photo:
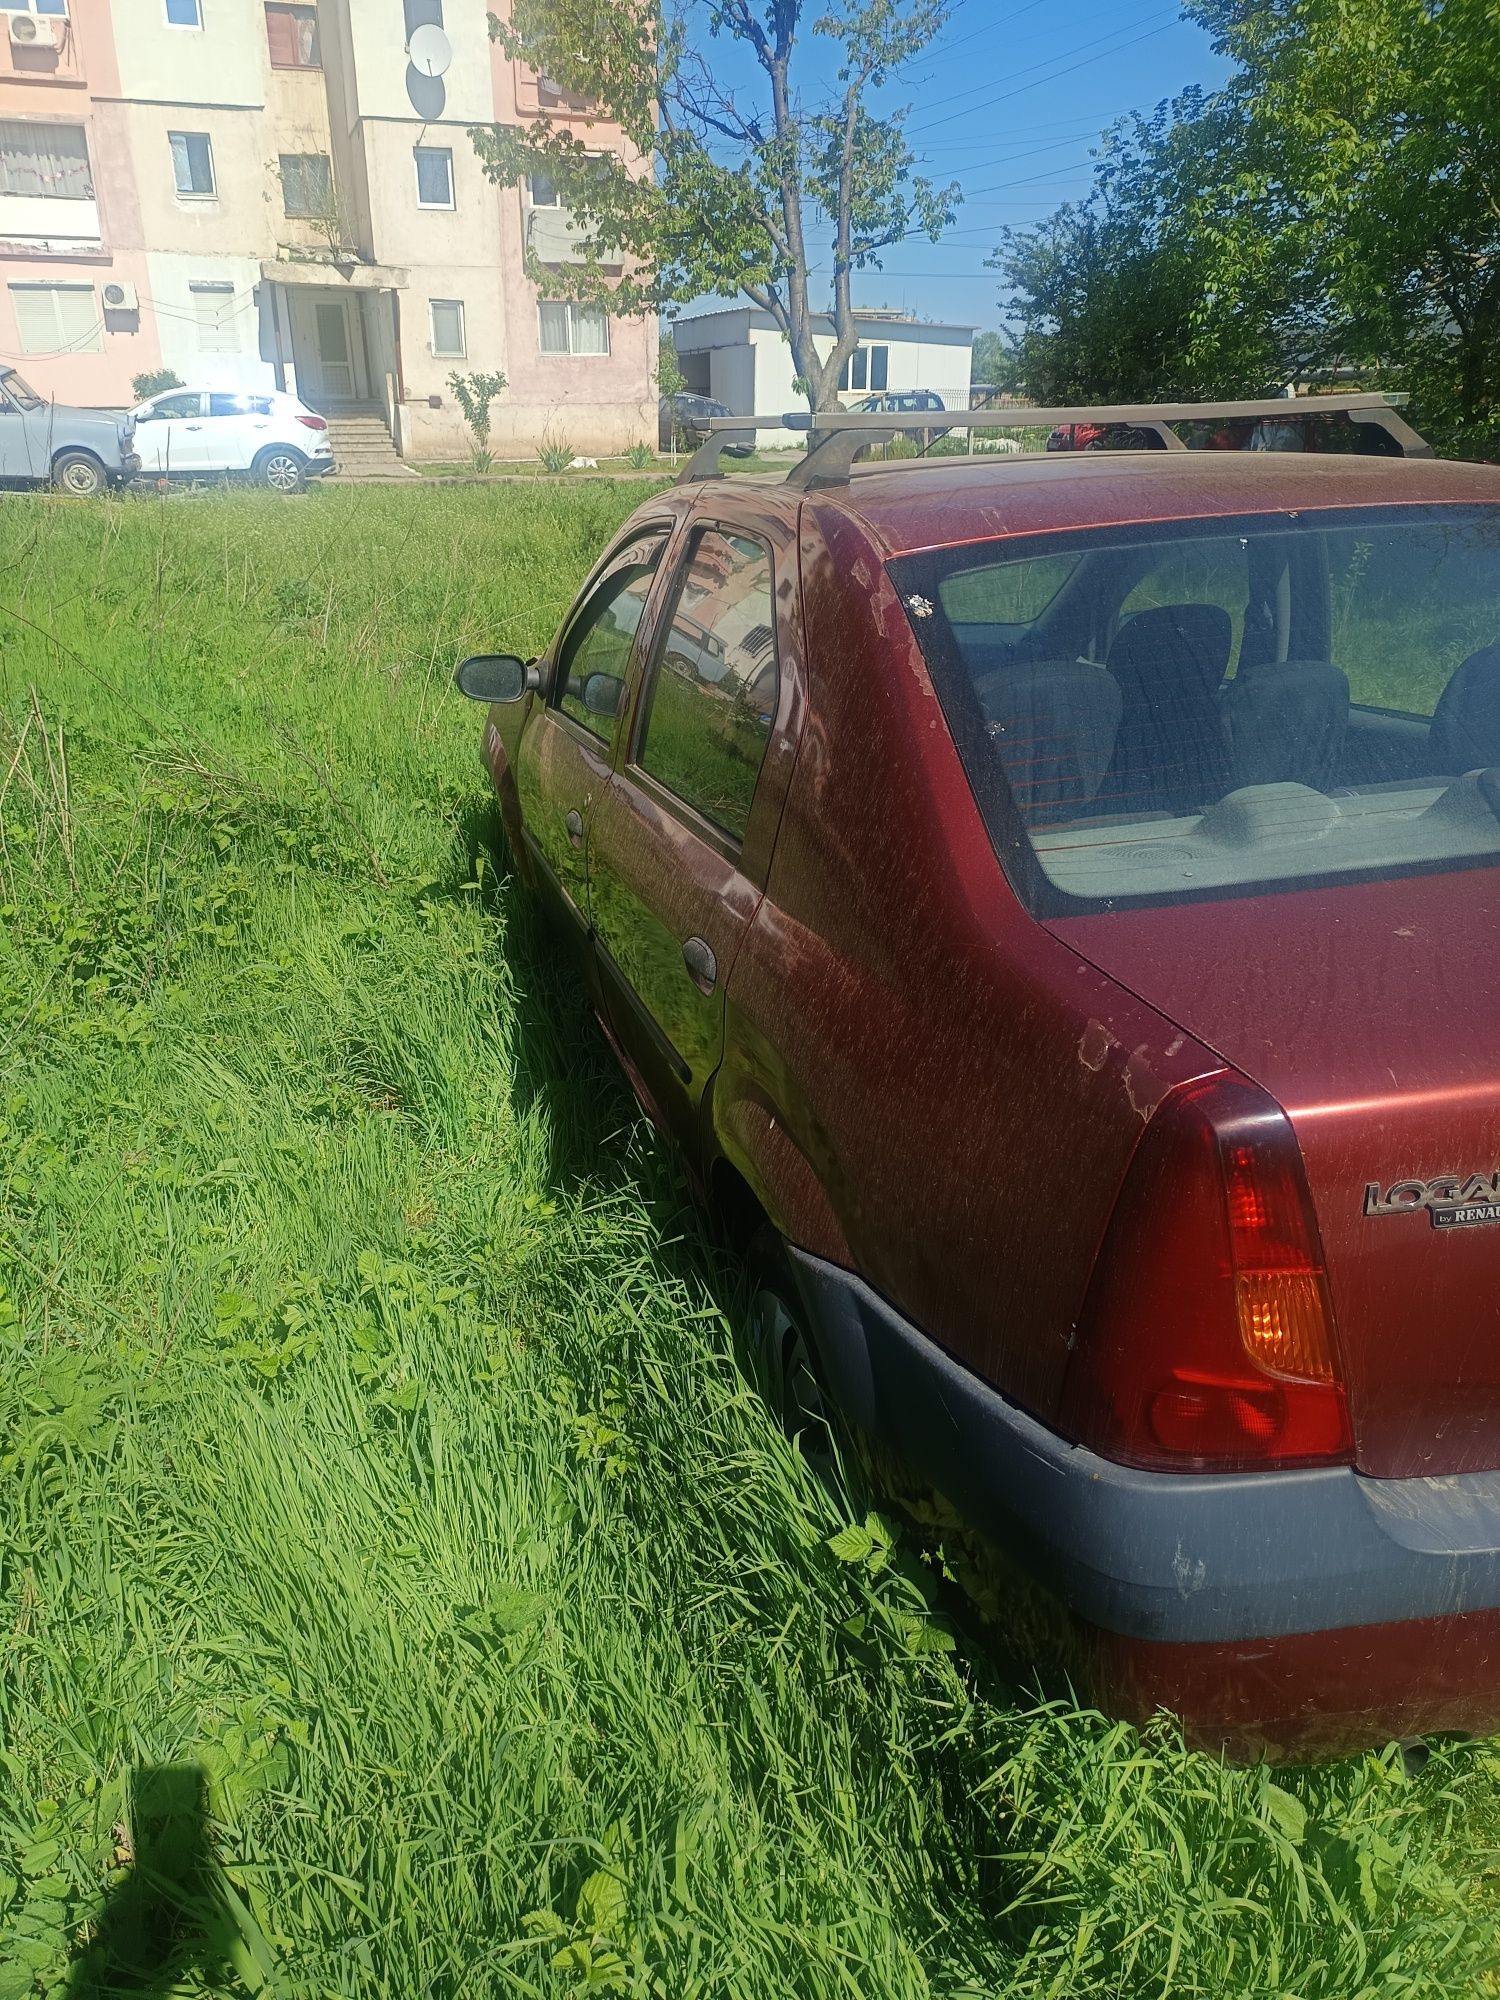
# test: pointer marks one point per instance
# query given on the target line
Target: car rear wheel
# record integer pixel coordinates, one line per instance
(78, 474)
(281, 469)
(785, 1355)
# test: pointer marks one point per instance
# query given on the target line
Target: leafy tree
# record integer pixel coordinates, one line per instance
(745, 180)
(1338, 202)
(996, 362)
(1374, 130)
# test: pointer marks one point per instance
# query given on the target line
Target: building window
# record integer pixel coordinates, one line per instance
(449, 341)
(866, 368)
(434, 176)
(54, 7)
(192, 162)
(184, 14)
(58, 319)
(292, 35)
(573, 329)
(216, 317)
(40, 159)
(307, 184)
(543, 191)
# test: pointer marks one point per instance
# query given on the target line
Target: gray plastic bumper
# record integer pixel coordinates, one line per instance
(1153, 1555)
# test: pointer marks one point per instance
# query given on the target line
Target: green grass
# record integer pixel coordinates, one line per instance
(401, 1591)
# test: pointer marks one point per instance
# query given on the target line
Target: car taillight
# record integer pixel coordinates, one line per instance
(314, 423)
(1207, 1340)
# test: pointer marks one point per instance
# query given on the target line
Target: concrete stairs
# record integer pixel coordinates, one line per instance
(362, 447)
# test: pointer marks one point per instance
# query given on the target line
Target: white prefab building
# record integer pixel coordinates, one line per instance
(740, 357)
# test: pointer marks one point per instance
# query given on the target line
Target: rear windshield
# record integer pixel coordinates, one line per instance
(1224, 707)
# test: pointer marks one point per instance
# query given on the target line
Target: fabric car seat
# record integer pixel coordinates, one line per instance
(1465, 731)
(1169, 663)
(1285, 722)
(1054, 724)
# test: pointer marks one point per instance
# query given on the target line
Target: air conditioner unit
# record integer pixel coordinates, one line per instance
(120, 296)
(28, 31)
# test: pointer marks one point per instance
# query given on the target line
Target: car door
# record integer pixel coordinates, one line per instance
(169, 433)
(236, 428)
(681, 836)
(563, 756)
(14, 454)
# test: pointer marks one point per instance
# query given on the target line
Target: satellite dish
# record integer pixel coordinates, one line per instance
(430, 50)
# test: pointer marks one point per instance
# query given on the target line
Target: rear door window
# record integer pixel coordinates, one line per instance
(709, 704)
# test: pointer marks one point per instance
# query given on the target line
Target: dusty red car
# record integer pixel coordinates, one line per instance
(1056, 900)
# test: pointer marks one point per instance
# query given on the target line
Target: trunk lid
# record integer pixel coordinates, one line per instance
(1367, 1012)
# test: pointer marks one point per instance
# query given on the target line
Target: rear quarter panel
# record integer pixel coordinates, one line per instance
(919, 1081)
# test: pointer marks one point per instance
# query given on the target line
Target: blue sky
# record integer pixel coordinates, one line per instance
(1008, 102)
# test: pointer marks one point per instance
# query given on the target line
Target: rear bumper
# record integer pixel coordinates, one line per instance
(1239, 1601)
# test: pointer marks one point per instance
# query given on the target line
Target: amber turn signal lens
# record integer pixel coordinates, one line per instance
(1284, 1323)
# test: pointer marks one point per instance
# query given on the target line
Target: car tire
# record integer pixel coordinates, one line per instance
(280, 469)
(784, 1353)
(78, 474)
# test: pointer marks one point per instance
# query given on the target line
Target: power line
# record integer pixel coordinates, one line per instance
(1024, 153)
(1022, 89)
(989, 28)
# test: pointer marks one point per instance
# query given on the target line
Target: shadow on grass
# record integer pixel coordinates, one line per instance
(598, 1137)
(168, 1918)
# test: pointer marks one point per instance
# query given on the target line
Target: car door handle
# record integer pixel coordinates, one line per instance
(702, 966)
(574, 823)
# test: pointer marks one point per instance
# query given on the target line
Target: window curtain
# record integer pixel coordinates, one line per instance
(45, 160)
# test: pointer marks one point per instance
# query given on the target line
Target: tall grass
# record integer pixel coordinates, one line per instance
(373, 1446)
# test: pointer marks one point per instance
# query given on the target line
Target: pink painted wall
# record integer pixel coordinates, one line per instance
(67, 87)
(625, 377)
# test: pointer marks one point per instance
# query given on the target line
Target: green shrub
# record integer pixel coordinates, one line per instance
(154, 382)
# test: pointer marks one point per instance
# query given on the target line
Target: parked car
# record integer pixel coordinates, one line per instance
(197, 433)
(1061, 950)
(682, 423)
(80, 452)
(902, 402)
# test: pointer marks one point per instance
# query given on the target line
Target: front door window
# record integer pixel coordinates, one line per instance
(593, 657)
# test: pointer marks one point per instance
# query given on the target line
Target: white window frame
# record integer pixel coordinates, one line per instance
(201, 291)
(56, 125)
(572, 351)
(58, 13)
(181, 27)
(211, 192)
(452, 201)
(461, 352)
(531, 200)
(96, 338)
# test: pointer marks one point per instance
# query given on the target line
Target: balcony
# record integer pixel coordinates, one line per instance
(34, 225)
(553, 237)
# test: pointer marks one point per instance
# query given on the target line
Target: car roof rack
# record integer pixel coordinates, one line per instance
(835, 439)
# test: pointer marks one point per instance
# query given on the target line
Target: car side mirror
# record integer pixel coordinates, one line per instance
(490, 677)
(602, 693)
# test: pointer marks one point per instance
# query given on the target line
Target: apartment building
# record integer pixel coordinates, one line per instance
(269, 193)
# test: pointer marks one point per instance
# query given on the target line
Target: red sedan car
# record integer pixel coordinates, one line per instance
(1053, 902)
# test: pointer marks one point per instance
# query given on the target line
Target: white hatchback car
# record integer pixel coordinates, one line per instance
(197, 433)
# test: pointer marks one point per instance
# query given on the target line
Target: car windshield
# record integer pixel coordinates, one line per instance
(19, 390)
(1225, 706)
